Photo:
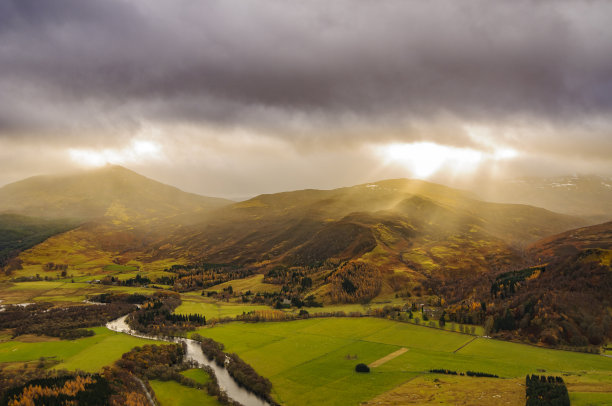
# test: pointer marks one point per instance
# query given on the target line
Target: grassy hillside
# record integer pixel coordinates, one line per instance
(121, 215)
(112, 191)
(574, 241)
(404, 235)
(18, 233)
(350, 221)
(415, 228)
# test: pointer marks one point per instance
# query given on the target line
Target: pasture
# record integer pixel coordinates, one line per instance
(61, 291)
(88, 354)
(254, 283)
(197, 374)
(214, 309)
(171, 393)
(312, 361)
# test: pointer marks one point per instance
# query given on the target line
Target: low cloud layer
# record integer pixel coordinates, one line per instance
(218, 85)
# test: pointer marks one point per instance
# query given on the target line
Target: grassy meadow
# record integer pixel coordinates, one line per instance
(171, 393)
(88, 354)
(58, 291)
(590, 399)
(214, 309)
(254, 283)
(312, 361)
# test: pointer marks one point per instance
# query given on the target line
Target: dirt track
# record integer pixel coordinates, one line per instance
(387, 358)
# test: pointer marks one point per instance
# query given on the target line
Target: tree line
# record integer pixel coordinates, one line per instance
(467, 373)
(63, 322)
(242, 372)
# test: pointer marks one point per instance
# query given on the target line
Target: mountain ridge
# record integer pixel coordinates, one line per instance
(588, 196)
(100, 192)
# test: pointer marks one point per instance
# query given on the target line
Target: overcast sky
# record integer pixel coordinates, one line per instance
(240, 97)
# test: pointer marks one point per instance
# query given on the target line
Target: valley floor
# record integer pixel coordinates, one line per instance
(312, 362)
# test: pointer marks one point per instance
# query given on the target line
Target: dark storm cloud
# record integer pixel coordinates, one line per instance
(291, 65)
(281, 94)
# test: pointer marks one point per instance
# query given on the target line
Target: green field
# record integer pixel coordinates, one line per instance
(253, 283)
(59, 291)
(307, 360)
(215, 310)
(590, 399)
(87, 354)
(120, 268)
(193, 303)
(197, 374)
(171, 393)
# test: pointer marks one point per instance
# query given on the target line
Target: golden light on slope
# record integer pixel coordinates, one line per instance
(424, 159)
(136, 152)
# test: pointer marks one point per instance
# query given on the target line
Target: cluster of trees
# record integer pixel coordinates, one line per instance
(134, 298)
(507, 283)
(55, 390)
(138, 280)
(296, 278)
(546, 391)
(564, 306)
(50, 266)
(153, 361)
(126, 387)
(202, 276)
(155, 316)
(466, 311)
(63, 322)
(355, 282)
(12, 376)
(187, 318)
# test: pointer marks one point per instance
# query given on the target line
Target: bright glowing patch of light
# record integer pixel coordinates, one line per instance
(484, 136)
(505, 153)
(137, 152)
(424, 159)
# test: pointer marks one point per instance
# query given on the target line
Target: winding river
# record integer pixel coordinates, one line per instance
(194, 353)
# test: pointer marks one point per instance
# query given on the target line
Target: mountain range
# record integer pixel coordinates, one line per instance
(393, 237)
(412, 227)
